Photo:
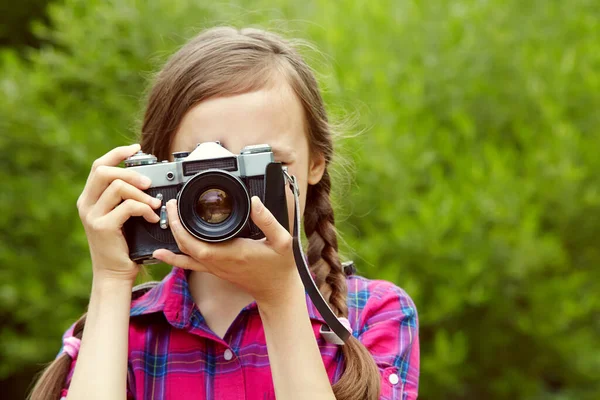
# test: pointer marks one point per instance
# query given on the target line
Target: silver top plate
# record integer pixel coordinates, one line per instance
(140, 158)
(256, 148)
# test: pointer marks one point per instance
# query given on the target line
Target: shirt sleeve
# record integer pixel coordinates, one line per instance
(65, 389)
(390, 331)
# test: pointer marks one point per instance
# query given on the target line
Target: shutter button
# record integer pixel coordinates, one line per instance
(394, 379)
(228, 355)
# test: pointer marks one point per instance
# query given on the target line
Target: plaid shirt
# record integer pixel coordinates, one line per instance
(173, 354)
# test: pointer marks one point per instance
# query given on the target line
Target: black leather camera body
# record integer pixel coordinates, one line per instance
(213, 188)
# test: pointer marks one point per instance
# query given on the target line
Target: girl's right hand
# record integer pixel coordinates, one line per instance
(112, 195)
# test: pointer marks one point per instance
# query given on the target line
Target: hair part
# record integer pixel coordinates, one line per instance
(225, 62)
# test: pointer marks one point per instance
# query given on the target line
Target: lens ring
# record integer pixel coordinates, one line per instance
(189, 195)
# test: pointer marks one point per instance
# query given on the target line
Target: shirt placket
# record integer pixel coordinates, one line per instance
(225, 379)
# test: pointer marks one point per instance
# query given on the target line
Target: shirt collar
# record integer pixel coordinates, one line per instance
(173, 298)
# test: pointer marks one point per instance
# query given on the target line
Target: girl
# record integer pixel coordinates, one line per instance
(231, 320)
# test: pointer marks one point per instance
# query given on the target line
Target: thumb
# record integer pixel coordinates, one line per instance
(276, 234)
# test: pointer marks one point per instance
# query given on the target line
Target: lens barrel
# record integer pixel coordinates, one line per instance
(214, 205)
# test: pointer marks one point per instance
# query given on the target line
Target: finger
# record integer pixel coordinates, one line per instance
(187, 243)
(116, 155)
(129, 208)
(277, 236)
(118, 191)
(93, 189)
(104, 175)
(179, 260)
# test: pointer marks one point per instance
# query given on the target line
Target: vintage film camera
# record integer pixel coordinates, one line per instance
(213, 188)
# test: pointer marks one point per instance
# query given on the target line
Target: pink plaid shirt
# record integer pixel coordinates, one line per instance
(173, 354)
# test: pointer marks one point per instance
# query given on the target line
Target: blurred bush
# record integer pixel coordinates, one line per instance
(476, 184)
(16, 19)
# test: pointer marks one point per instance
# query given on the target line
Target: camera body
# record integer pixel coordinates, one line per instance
(213, 188)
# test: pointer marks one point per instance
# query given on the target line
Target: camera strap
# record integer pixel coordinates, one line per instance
(333, 323)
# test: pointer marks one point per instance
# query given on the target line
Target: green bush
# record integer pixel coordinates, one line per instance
(15, 21)
(475, 181)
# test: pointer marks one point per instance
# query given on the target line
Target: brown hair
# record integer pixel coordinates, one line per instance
(53, 378)
(223, 62)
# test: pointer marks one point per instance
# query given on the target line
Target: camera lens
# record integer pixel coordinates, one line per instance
(214, 206)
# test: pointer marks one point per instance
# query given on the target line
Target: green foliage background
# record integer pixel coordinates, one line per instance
(476, 182)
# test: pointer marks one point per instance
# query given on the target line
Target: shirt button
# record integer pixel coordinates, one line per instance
(394, 379)
(228, 355)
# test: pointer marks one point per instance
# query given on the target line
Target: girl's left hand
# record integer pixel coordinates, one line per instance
(264, 268)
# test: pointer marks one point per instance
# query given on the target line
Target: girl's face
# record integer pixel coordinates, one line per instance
(273, 116)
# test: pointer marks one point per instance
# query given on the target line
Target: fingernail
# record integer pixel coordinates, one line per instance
(145, 181)
(257, 204)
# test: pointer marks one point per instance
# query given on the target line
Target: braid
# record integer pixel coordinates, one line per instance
(323, 255)
(360, 379)
(52, 379)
